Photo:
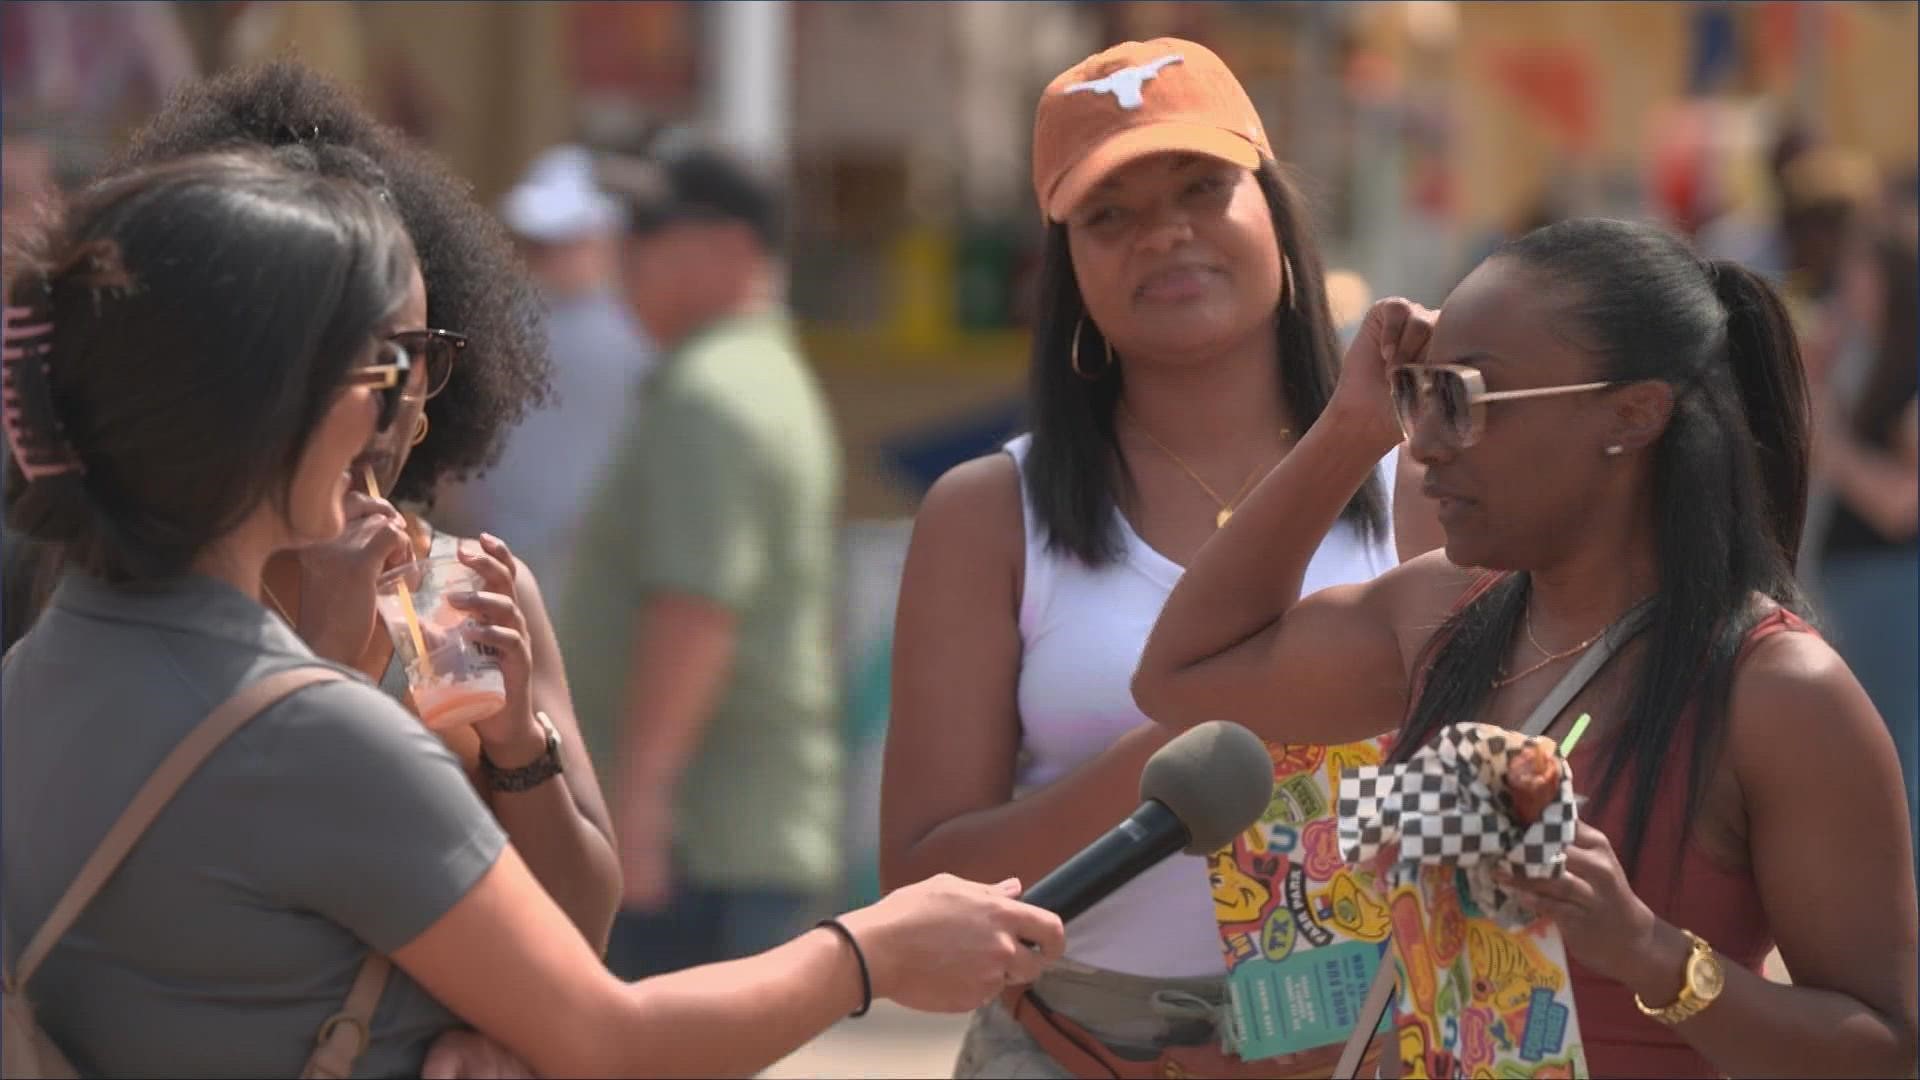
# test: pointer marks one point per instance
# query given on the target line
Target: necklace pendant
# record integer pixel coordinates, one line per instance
(1220, 519)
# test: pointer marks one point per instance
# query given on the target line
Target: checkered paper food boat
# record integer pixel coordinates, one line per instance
(1448, 806)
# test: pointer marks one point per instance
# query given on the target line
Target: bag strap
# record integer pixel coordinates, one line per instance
(345, 1035)
(1575, 680)
(174, 770)
(1078, 1051)
(1371, 1011)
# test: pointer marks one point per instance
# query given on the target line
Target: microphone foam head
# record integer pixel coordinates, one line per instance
(1217, 779)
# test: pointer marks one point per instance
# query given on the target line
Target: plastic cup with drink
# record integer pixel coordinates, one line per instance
(455, 680)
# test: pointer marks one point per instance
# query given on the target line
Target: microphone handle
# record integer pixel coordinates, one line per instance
(1149, 835)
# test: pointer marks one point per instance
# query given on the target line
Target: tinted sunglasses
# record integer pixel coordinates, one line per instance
(432, 352)
(388, 376)
(1457, 396)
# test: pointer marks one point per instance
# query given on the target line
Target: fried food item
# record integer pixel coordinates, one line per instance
(1533, 778)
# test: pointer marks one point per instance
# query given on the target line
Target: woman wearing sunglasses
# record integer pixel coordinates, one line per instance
(1605, 420)
(195, 362)
(478, 364)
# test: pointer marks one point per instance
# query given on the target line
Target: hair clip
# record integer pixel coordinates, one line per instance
(35, 437)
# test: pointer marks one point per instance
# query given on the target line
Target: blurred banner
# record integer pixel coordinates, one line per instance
(1424, 133)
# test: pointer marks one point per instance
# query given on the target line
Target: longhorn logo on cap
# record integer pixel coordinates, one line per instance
(1125, 84)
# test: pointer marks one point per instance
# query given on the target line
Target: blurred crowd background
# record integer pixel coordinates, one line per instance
(1783, 134)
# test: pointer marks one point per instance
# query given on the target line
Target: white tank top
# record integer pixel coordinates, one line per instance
(1081, 634)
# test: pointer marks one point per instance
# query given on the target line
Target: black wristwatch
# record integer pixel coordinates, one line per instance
(530, 776)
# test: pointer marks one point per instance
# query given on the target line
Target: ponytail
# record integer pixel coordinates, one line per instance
(49, 495)
(1763, 354)
(29, 569)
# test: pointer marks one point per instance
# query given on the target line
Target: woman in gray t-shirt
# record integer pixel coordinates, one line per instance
(195, 356)
(483, 366)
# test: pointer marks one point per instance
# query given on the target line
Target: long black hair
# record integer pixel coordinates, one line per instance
(204, 314)
(1729, 492)
(1074, 470)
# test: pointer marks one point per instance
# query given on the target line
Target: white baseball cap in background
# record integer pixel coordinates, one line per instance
(557, 199)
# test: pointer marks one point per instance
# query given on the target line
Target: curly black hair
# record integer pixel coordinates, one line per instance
(476, 283)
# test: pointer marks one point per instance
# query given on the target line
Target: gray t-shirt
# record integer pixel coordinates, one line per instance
(331, 823)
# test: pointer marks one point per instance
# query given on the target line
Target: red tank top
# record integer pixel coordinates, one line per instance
(1720, 904)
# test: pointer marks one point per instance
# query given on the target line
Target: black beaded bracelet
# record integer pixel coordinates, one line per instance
(866, 980)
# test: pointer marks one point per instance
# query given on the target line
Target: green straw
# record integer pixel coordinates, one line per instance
(1573, 734)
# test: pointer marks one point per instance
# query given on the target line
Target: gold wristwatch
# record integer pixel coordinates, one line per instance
(1705, 979)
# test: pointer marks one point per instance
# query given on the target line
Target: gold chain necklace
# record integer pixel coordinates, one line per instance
(1226, 506)
(1526, 623)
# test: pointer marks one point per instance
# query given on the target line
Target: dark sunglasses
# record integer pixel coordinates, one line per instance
(433, 353)
(1458, 395)
(387, 376)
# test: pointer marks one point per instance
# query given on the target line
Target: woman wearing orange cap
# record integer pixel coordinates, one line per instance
(1182, 342)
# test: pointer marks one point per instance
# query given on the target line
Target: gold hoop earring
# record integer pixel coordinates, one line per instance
(1106, 345)
(1286, 282)
(420, 427)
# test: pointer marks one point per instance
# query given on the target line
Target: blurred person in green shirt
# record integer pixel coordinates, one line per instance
(699, 616)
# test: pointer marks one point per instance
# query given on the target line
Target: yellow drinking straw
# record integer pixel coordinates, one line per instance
(1573, 734)
(406, 600)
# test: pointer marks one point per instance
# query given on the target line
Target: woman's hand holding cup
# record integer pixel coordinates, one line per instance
(338, 576)
(499, 628)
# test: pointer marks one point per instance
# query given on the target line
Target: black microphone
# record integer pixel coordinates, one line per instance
(1197, 793)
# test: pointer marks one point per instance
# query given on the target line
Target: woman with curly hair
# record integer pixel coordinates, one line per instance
(485, 366)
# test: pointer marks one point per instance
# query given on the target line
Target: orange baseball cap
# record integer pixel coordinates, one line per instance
(1136, 99)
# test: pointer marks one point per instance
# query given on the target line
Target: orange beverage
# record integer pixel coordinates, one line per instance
(452, 705)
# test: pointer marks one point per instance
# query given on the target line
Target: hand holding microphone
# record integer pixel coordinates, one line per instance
(950, 945)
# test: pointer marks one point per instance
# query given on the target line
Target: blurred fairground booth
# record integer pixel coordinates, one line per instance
(1425, 131)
